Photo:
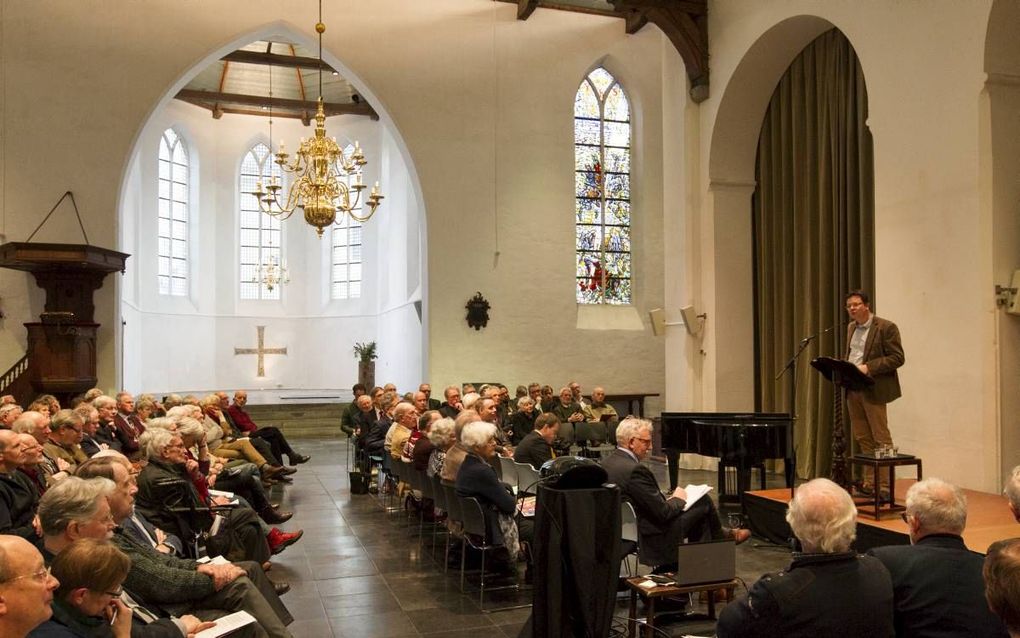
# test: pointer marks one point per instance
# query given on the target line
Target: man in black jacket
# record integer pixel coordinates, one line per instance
(937, 585)
(828, 589)
(663, 522)
(18, 495)
(536, 448)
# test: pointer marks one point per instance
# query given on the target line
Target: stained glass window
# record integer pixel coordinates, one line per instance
(172, 236)
(259, 232)
(602, 190)
(346, 258)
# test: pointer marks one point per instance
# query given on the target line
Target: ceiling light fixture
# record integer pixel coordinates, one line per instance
(322, 171)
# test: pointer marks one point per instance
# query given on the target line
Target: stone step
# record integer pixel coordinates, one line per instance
(307, 420)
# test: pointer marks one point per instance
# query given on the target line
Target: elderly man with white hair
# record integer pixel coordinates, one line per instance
(937, 583)
(828, 589)
(663, 523)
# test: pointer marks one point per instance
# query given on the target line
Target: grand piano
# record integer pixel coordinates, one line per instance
(738, 439)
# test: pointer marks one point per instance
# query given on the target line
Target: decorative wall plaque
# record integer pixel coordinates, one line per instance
(478, 312)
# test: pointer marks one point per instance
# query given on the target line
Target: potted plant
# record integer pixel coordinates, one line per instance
(365, 352)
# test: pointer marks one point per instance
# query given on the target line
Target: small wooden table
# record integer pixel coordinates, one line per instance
(880, 506)
(668, 591)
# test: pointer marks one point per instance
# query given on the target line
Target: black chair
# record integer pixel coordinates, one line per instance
(439, 496)
(455, 521)
(475, 535)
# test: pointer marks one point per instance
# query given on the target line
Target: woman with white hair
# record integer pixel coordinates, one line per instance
(477, 478)
(523, 420)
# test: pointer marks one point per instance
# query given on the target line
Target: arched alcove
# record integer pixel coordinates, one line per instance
(727, 285)
(1000, 196)
(199, 333)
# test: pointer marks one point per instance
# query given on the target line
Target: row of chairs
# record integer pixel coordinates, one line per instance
(465, 519)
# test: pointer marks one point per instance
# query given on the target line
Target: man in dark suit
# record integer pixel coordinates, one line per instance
(938, 591)
(536, 447)
(873, 345)
(432, 404)
(828, 589)
(662, 522)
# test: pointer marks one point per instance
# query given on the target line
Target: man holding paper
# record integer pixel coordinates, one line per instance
(663, 522)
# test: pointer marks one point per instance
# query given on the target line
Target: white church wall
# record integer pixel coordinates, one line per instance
(923, 68)
(212, 320)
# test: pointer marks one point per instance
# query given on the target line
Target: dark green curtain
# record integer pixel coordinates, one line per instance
(813, 224)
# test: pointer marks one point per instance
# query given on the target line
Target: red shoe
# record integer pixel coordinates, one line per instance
(279, 540)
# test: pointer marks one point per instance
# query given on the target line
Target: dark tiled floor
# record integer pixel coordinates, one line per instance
(359, 570)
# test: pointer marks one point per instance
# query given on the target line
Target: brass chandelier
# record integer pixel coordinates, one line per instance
(322, 171)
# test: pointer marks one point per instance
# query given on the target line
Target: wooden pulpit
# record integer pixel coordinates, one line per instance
(62, 344)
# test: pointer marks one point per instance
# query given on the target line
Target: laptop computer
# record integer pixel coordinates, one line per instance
(707, 562)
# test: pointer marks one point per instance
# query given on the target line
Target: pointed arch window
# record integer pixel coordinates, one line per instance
(602, 151)
(345, 279)
(259, 233)
(172, 241)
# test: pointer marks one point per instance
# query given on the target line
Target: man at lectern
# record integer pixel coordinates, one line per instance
(873, 345)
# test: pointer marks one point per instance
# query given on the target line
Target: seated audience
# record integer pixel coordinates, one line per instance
(600, 410)
(375, 441)
(272, 435)
(522, 422)
(66, 430)
(536, 448)
(662, 522)
(127, 426)
(535, 392)
(347, 418)
(223, 444)
(207, 472)
(37, 425)
(32, 467)
(451, 407)
(442, 437)
(88, 604)
(548, 399)
(8, 414)
(478, 479)
(107, 431)
(567, 409)
(170, 585)
(165, 483)
(90, 445)
(19, 496)
(828, 590)
(146, 409)
(421, 449)
(430, 403)
(405, 421)
(455, 455)
(937, 587)
(1002, 583)
(26, 588)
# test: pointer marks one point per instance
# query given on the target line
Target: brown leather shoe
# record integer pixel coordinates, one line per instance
(739, 535)
(271, 471)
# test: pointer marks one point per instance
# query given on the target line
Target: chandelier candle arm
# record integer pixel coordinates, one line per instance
(321, 172)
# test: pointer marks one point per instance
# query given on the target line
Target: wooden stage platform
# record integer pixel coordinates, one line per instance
(988, 519)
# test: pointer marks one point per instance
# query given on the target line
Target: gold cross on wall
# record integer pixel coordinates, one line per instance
(261, 351)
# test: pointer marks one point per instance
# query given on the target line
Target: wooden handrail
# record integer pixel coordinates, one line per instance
(12, 376)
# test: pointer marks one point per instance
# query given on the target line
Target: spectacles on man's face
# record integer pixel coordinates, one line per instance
(40, 576)
(645, 441)
(115, 594)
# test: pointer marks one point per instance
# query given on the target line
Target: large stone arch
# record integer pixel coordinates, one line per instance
(1000, 198)
(279, 29)
(727, 274)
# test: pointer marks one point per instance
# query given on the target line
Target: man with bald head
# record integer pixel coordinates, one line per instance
(26, 588)
(18, 495)
(937, 584)
(828, 590)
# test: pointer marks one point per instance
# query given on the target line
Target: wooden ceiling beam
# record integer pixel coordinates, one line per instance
(685, 23)
(211, 99)
(276, 59)
(525, 8)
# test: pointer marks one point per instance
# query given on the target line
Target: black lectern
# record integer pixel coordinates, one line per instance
(845, 376)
